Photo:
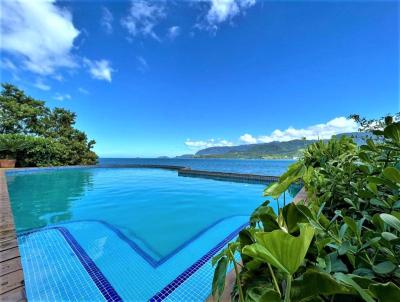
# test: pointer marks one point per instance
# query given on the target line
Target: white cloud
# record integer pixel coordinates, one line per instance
(173, 32)
(40, 85)
(39, 33)
(221, 10)
(142, 64)
(143, 17)
(248, 139)
(8, 65)
(224, 10)
(107, 20)
(100, 70)
(320, 131)
(62, 97)
(83, 90)
(197, 145)
(58, 77)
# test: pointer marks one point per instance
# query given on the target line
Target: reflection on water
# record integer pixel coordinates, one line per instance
(153, 206)
(51, 195)
(144, 204)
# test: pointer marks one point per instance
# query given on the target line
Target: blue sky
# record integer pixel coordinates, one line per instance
(168, 78)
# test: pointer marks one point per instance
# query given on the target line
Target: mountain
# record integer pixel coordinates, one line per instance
(272, 150)
(288, 149)
(359, 137)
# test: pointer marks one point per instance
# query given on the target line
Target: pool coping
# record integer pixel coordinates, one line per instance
(12, 286)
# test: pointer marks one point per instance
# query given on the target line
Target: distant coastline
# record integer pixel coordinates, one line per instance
(290, 150)
(238, 157)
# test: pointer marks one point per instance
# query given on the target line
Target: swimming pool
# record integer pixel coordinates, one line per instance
(112, 234)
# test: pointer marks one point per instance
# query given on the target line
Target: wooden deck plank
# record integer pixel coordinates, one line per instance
(11, 281)
(15, 295)
(9, 254)
(11, 276)
(8, 244)
(10, 266)
(7, 232)
(8, 238)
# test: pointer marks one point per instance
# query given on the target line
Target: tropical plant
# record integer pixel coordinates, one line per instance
(50, 133)
(10, 145)
(342, 244)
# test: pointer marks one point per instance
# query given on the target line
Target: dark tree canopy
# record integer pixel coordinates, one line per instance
(49, 133)
(369, 125)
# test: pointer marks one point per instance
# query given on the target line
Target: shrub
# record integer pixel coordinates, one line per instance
(343, 244)
(11, 144)
(33, 151)
(49, 137)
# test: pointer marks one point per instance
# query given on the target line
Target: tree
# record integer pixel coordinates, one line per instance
(370, 125)
(20, 114)
(51, 134)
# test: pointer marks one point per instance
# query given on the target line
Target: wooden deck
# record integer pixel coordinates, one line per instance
(11, 276)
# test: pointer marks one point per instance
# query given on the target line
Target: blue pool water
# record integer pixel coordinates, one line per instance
(122, 233)
(250, 166)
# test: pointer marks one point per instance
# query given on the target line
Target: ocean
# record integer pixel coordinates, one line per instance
(250, 166)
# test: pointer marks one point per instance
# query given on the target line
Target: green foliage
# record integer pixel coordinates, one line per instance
(20, 113)
(343, 243)
(11, 144)
(280, 249)
(374, 124)
(37, 136)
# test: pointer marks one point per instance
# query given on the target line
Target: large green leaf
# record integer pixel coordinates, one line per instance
(245, 238)
(334, 264)
(391, 221)
(351, 281)
(381, 181)
(392, 174)
(280, 249)
(393, 132)
(389, 236)
(315, 283)
(277, 188)
(262, 294)
(385, 267)
(387, 292)
(293, 216)
(218, 283)
(294, 172)
(266, 215)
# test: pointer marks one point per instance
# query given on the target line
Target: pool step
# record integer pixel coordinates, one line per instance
(63, 262)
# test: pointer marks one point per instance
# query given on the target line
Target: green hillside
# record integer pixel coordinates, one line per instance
(272, 150)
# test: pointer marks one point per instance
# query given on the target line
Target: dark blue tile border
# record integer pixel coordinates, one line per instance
(145, 255)
(166, 291)
(105, 286)
(91, 268)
